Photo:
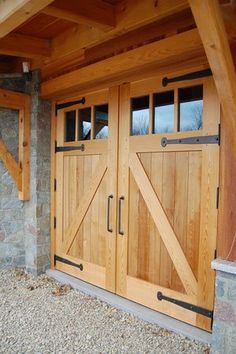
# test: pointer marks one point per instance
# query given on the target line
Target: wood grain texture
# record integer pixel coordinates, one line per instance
(183, 45)
(208, 15)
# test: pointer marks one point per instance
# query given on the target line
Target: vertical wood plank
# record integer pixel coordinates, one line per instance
(180, 209)
(168, 191)
(123, 186)
(155, 239)
(112, 187)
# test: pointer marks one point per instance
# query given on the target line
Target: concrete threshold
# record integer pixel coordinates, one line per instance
(133, 308)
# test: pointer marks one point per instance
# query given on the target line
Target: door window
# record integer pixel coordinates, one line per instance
(101, 121)
(70, 121)
(163, 112)
(87, 123)
(173, 111)
(190, 108)
(140, 115)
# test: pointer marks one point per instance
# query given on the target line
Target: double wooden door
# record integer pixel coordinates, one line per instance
(136, 200)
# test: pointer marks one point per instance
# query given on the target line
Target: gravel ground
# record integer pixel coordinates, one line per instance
(37, 315)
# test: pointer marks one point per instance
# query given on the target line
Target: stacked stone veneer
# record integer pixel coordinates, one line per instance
(224, 325)
(25, 226)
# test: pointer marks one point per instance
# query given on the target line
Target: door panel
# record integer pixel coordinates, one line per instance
(84, 178)
(176, 179)
(138, 216)
(169, 215)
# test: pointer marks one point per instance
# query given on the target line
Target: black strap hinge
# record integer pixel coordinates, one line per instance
(66, 261)
(69, 148)
(190, 76)
(194, 308)
(55, 184)
(68, 104)
(55, 222)
(206, 139)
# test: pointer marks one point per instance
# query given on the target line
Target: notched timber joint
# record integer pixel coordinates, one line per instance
(68, 104)
(200, 310)
(66, 261)
(186, 77)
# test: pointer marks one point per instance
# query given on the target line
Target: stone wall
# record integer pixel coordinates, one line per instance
(224, 324)
(25, 226)
(37, 211)
(12, 252)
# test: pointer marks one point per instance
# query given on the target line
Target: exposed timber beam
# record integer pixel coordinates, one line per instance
(213, 34)
(24, 46)
(176, 48)
(129, 16)
(133, 39)
(90, 12)
(15, 12)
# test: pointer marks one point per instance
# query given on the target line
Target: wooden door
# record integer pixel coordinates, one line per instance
(167, 196)
(86, 175)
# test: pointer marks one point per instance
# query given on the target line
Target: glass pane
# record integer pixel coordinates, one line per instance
(140, 115)
(190, 108)
(70, 126)
(84, 126)
(163, 104)
(101, 121)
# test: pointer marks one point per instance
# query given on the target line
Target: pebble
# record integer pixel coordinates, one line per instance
(38, 316)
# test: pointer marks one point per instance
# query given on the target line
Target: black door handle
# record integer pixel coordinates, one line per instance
(109, 229)
(121, 199)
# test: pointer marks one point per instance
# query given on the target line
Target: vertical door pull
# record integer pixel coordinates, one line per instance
(121, 199)
(109, 229)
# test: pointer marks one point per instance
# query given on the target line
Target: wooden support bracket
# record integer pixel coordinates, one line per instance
(18, 170)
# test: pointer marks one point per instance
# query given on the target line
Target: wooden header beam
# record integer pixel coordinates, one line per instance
(181, 46)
